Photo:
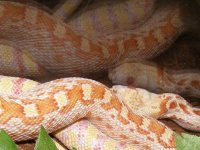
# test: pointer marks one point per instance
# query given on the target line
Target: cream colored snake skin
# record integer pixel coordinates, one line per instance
(65, 8)
(35, 44)
(105, 17)
(150, 134)
(156, 79)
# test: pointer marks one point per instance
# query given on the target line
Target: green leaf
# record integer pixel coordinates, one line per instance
(73, 148)
(6, 142)
(187, 142)
(44, 141)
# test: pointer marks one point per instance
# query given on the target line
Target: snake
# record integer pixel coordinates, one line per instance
(36, 44)
(153, 77)
(26, 32)
(103, 18)
(22, 113)
(64, 9)
(139, 75)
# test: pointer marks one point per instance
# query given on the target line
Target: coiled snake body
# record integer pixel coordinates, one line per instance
(59, 103)
(157, 79)
(25, 105)
(35, 36)
(42, 45)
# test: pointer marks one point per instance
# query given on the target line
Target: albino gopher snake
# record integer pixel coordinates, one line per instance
(42, 45)
(157, 79)
(26, 104)
(44, 40)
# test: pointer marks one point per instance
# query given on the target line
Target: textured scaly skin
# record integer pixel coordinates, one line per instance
(159, 106)
(84, 135)
(157, 79)
(59, 103)
(39, 45)
(66, 8)
(81, 134)
(107, 17)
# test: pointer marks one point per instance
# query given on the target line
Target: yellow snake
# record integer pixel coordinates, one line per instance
(26, 104)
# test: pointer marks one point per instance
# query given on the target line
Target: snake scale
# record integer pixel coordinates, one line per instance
(102, 18)
(22, 113)
(42, 45)
(39, 42)
(157, 79)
